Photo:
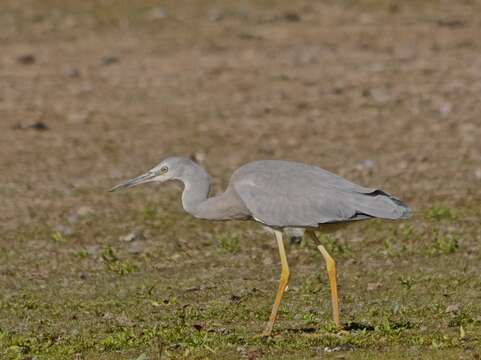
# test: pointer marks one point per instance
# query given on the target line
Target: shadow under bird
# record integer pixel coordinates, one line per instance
(279, 194)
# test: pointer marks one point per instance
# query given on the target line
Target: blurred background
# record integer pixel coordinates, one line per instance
(383, 92)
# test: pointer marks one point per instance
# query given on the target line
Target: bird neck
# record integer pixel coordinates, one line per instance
(196, 188)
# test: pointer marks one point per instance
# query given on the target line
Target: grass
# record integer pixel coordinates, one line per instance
(72, 287)
(229, 243)
(212, 300)
(440, 213)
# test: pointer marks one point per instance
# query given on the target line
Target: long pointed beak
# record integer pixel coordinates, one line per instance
(135, 181)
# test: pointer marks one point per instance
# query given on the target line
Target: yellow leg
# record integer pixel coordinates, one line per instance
(331, 272)
(282, 284)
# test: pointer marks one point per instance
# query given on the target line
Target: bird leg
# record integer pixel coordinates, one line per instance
(331, 272)
(282, 284)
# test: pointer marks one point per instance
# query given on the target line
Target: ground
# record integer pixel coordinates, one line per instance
(383, 92)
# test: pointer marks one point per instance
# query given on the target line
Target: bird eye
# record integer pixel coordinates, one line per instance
(164, 169)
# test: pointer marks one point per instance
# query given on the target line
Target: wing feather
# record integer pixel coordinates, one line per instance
(280, 194)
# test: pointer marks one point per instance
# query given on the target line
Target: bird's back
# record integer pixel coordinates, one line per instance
(284, 193)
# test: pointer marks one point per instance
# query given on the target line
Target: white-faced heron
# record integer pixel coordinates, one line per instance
(279, 194)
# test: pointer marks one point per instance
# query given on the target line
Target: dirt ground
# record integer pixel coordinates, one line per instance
(383, 92)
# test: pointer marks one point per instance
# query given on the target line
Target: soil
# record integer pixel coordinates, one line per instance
(384, 93)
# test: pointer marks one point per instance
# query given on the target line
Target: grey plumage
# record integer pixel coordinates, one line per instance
(282, 195)
(276, 193)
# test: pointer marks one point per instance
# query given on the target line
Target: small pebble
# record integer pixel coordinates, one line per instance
(84, 211)
(79, 118)
(39, 125)
(36, 125)
(133, 236)
(109, 60)
(198, 157)
(292, 16)
(64, 230)
(477, 173)
(26, 59)
(453, 308)
(373, 286)
(445, 109)
(157, 13)
(366, 166)
(345, 347)
(72, 72)
(136, 248)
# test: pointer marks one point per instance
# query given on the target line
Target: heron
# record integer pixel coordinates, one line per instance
(279, 195)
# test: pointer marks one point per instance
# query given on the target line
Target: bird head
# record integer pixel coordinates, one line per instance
(168, 169)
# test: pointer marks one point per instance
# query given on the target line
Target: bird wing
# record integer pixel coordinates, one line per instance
(280, 194)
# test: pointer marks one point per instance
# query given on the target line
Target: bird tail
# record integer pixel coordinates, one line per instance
(379, 204)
